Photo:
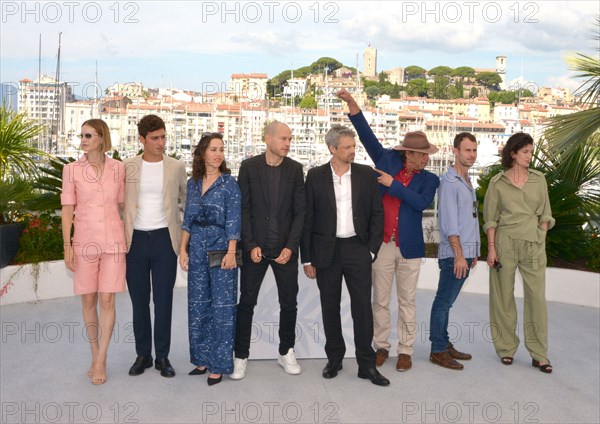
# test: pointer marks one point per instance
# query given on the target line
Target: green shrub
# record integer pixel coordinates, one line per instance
(593, 261)
(41, 239)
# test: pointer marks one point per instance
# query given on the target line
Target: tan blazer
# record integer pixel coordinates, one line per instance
(174, 191)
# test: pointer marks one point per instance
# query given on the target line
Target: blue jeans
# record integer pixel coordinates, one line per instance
(448, 289)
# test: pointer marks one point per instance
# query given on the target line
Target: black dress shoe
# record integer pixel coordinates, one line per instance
(331, 369)
(165, 368)
(140, 365)
(196, 371)
(375, 377)
(212, 381)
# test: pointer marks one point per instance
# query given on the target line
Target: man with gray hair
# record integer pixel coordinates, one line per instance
(342, 235)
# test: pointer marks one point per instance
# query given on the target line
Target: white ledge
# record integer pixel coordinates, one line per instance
(562, 285)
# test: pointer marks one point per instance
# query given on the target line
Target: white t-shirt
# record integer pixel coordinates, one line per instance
(151, 211)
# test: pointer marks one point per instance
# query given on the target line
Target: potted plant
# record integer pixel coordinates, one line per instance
(17, 167)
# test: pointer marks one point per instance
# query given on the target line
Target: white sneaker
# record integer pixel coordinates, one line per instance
(289, 363)
(239, 368)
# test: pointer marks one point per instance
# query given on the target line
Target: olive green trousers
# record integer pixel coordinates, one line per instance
(530, 259)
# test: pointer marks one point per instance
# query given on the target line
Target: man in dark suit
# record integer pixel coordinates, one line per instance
(273, 212)
(342, 234)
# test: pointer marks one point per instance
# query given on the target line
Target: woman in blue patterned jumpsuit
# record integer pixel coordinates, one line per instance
(211, 222)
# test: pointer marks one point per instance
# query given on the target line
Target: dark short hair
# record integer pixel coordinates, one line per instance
(198, 166)
(515, 143)
(461, 136)
(150, 123)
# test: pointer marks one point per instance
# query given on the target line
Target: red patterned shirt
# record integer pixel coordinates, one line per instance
(391, 207)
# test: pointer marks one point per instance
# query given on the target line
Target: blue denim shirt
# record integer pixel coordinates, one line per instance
(217, 212)
(455, 216)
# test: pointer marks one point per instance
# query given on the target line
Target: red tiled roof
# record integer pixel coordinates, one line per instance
(253, 75)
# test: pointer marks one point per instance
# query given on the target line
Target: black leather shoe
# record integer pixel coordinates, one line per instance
(165, 368)
(331, 369)
(375, 377)
(140, 365)
(196, 371)
(212, 381)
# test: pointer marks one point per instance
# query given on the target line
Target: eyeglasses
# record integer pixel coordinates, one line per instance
(474, 208)
(268, 258)
(212, 134)
(86, 135)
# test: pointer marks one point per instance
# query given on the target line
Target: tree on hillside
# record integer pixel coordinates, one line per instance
(417, 87)
(508, 96)
(414, 71)
(463, 72)
(460, 90)
(372, 91)
(489, 80)
(440, 87)
(275, 85)
(308, 102)
(442, 71)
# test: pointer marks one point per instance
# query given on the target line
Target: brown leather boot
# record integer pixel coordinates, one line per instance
(443, 359)
(404, 362)
(456, 354)
(380, 356)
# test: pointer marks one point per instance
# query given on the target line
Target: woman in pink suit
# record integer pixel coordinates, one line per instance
(92, 194)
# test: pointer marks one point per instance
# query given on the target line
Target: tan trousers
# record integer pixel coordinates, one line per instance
(530, 258)
(390, 262)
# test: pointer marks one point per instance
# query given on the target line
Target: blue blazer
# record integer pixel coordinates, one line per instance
(415, 198)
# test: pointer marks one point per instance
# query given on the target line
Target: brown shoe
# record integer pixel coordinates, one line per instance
(456, 354)
(404, 362)
(443, 359)
(380, 356)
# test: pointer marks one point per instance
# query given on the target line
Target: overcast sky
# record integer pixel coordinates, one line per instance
(198, 45)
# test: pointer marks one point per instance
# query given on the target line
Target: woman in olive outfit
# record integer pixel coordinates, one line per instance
(517, 215)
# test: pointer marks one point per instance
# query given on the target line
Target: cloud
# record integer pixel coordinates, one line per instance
(565, 81)
(109, 46)
(275, 43)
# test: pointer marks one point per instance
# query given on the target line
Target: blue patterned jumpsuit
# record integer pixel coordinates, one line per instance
(212, 220)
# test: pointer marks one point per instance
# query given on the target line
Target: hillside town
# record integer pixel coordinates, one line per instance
(240, 110)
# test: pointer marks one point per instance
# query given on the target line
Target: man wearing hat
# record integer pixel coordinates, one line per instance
(407, 189)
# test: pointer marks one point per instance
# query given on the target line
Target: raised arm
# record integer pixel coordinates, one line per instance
(365, 133)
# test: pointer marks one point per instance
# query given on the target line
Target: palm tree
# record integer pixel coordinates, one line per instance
(18, 161)
(570, 161)
(17, 155)
(566, 132)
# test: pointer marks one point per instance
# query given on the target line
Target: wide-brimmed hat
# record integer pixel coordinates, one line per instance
(416, 141)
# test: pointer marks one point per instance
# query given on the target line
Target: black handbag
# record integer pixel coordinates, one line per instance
(215, 258)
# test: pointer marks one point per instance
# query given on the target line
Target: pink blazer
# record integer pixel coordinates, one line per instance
(98, 225)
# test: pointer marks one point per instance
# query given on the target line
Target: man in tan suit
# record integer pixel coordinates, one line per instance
(155, 188)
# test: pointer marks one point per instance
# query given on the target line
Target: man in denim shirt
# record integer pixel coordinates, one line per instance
(458, 249)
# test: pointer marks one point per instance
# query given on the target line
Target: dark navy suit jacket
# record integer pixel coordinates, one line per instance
(415, 198)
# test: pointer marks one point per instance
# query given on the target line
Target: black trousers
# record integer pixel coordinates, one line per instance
(151, 254)
(251, 278)
(352, 261)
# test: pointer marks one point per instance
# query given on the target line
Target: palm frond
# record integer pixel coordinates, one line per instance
(587, 67)
(17, 155)
(566, 132)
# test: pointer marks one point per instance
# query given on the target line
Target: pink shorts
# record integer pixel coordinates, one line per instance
(104, 273)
